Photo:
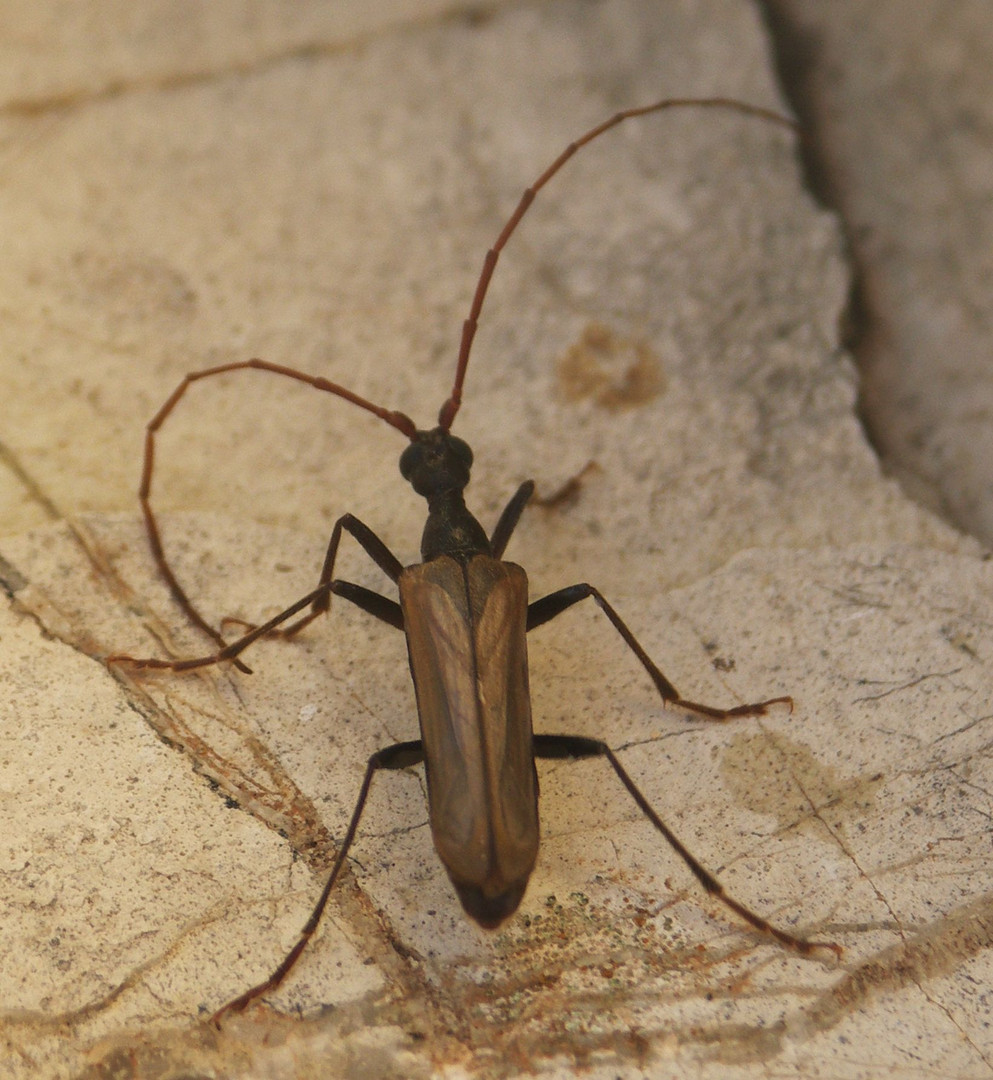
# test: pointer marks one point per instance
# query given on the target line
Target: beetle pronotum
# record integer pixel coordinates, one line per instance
(465, 613)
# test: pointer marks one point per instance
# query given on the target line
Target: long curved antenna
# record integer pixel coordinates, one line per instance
(451, 407)
(399, 420)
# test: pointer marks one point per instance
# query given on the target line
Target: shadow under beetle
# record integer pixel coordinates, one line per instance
(465, 613)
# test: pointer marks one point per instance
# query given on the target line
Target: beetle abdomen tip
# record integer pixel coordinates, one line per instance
(490, 911)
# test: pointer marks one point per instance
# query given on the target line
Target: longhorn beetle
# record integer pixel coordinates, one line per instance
(465, 613)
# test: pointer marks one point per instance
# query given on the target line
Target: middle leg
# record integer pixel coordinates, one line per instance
(541, 611)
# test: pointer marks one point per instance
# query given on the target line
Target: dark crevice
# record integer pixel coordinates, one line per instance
(799, 59)
(797, 54)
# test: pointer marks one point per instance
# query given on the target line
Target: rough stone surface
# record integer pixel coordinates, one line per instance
(899, 103)
(663, 330)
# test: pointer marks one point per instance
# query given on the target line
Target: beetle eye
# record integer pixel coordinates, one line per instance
(410, 459)
(461, 450)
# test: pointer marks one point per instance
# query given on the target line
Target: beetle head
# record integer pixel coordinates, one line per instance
(435, 462)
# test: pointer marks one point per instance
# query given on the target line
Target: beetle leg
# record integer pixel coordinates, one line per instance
(374, 548)
(509, 519)
(575, 746)
(540, 611)
(318, 600)
(399, 756)
(382, 607)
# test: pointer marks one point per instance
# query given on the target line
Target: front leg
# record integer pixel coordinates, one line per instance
(540, 611)
(378, 552)
(509, 519)
(318, 600)
(380, 555)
